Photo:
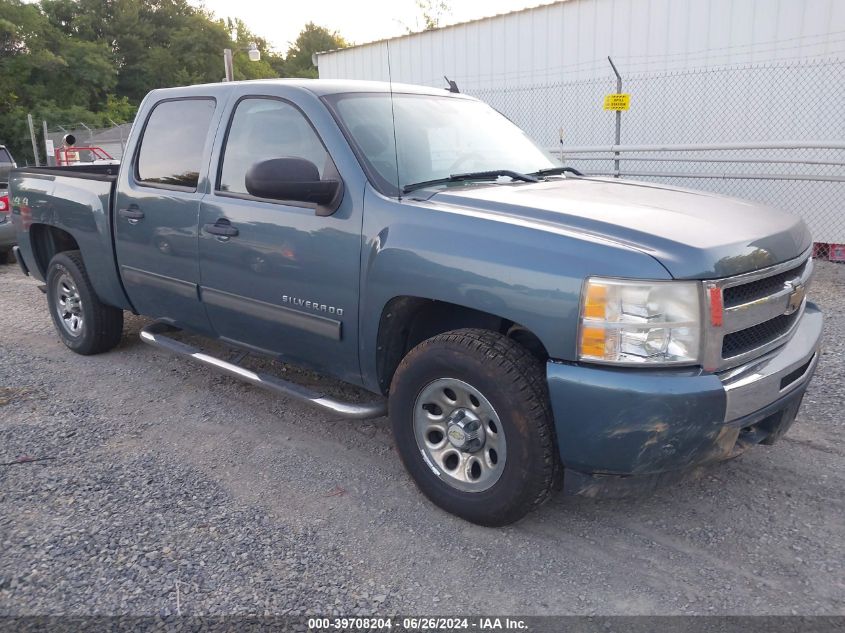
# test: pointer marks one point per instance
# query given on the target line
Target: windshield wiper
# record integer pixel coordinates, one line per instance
(554, 171)
(474, 175)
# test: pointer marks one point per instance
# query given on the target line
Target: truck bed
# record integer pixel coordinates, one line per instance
(91, 172)
(51, 203)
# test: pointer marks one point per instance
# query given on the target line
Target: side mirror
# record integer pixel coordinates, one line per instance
(296, 180)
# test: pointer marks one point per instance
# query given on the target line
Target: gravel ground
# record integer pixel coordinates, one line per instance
(163, 488)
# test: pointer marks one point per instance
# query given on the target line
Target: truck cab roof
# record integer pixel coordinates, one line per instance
(318, 87)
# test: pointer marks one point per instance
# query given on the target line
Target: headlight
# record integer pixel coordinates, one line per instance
(638, 322)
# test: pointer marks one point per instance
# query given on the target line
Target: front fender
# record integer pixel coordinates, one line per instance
(530, 276)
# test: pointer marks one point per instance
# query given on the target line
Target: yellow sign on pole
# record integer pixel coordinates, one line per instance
(617, 102)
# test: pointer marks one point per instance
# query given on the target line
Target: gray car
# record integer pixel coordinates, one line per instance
(7, 164)
(7, 232)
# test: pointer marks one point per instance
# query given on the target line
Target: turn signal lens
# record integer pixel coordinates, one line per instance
(595, 302)
(635, 322)
(593, 342)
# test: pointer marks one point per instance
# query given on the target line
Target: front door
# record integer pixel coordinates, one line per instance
(157, 210)
(274, 275)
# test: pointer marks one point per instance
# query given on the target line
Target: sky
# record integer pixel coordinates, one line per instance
(358, 21)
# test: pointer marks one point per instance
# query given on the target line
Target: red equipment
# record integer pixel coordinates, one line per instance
(70, 155)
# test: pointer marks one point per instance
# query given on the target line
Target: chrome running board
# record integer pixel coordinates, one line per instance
(153, 335)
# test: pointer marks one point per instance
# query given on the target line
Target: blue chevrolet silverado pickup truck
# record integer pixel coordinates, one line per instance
(525, 327)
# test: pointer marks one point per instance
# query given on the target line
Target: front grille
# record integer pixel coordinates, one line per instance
(753, 319)
(750, 338)
(737, 295)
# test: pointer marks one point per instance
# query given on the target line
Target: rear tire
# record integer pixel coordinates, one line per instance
(85, 324)
(473, 425)
(6, 257)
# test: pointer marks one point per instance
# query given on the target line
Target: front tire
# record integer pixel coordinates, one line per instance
(85, 324)
(473, 426)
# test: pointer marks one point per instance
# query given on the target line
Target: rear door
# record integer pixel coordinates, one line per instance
(157, 210)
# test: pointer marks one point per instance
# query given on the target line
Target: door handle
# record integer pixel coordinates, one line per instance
(131, 213)
(221, 228)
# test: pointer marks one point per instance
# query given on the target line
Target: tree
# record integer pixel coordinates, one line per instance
(92, 61)
(431, 13)
(312, 39)
(42, 67)
(244, 68)
(119, 110)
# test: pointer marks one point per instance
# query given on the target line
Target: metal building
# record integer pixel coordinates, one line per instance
(571, 39)
(737, 96)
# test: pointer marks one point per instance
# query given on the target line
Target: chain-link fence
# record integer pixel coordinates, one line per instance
(685, 128)
(805, 179)
(91, 144)
(770, 132)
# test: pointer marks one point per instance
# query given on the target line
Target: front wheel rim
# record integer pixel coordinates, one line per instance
(459, 435)
(69, 305)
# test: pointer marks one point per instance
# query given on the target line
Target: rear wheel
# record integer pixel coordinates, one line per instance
(84, 323)
(473, 426)
(6, 257)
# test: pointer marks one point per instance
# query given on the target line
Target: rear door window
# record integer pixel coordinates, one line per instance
(172, 144)
(4, 156)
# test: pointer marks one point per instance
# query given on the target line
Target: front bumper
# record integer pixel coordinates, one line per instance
(621, 421)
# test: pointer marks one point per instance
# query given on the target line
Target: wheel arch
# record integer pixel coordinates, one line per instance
(45, 241)
(408, 320)
(48, 241)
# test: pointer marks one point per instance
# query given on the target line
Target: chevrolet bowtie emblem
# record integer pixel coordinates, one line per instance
(796, 297)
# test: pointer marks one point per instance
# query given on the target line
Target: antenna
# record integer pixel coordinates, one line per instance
(393, 117)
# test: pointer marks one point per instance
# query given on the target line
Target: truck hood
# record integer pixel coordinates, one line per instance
(695, 235)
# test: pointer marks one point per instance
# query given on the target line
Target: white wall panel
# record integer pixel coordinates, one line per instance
(699, 71)
(570, 40)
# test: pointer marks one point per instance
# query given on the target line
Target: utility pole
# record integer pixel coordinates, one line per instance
(34, 142)
(618, 118)
(253, 53)
(49, 158)
(227, 64)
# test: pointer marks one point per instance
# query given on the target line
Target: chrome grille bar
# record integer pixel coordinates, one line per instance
(788, 298)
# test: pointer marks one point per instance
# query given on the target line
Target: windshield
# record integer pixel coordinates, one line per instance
(436, 137)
